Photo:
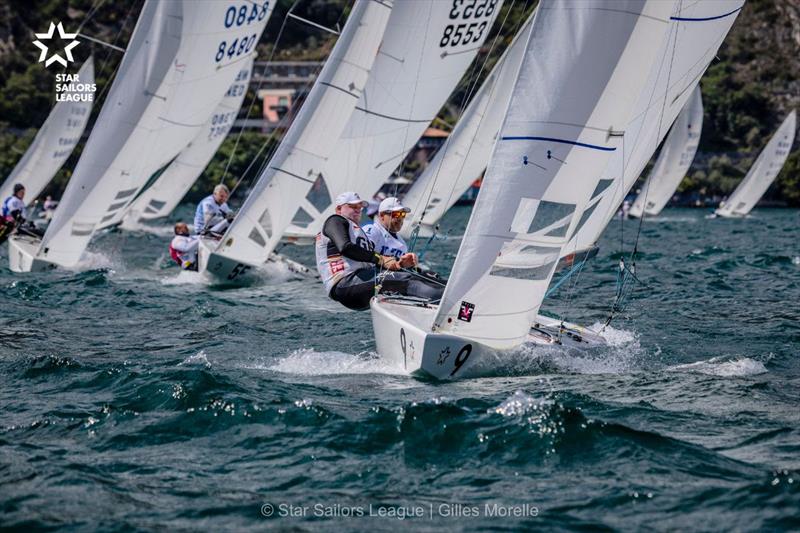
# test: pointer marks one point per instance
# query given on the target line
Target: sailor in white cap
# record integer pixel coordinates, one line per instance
(348, 264)
(385, 232)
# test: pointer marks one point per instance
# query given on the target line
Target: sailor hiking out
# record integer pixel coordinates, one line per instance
(348, 263)
(183, 248)
(14, 215)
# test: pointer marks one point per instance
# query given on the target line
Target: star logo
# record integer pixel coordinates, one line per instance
(55, 58)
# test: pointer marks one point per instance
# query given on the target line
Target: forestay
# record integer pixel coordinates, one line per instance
(56, 139)
(165, 194)
(463, 157)
(697, 29)
(182, 57)
(293, 181)
(763, 172)
(677, 154)
(427, 48)
(585, 65)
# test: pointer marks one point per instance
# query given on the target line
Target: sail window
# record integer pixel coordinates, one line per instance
(319, 196)
(124, 194)
(157, 204)
(530, 273)
(302, 218)
(266, 223)
(602, 185)
(585, 216)
(552, 218)
(256, 237)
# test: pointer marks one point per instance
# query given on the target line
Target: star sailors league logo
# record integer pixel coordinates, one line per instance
(56, 57)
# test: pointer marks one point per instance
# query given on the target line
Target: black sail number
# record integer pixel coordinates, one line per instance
(403, 346)
(471, 30)
(461, 358)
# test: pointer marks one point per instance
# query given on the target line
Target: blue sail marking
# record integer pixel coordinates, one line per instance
(562, 141)
(704, 19)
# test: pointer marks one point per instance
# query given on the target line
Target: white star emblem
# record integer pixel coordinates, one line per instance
(56, 58)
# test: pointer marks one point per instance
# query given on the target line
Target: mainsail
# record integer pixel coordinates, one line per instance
(463, 157)
(427, 48)
(697, 29)
(585, 65)
(165, 194)
(674, 161)
(182, 57)
(55, 140)
(293, 176)
(763, 172)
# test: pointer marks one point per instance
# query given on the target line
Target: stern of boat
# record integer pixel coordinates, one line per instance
(22, 251)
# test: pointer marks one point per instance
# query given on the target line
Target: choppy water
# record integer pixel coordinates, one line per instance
(132, 396)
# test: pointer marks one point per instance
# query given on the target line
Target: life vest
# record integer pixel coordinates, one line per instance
(174, 254)
(332, 265)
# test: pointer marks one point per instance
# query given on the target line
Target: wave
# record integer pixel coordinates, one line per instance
(308, 362)
(723, 367)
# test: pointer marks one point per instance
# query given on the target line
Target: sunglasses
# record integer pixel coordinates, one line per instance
(399, 214)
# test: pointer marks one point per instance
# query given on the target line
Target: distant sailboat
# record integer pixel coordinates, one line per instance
(763, 172)
(428, 46)
(54, 142)
(585, 65)
(172, 185)
(674, 161)
(293, 178)
(182, 56)
(463, 157)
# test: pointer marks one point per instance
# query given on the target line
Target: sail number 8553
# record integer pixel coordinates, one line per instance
(467, 32)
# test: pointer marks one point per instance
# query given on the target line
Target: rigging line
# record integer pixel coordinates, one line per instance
(90, 14)
(468, 96)
(255, 94)
(660, 119)
(285, 122)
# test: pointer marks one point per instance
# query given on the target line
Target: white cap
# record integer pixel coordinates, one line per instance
(392, 204)
(349, 198)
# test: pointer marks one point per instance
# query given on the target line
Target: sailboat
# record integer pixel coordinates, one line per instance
(674, 161)
(584, 67)
(463, 157)
(428, 46)
(763, 172)
(182, 57)
(163, 196)
(293, 177)
(55, 140)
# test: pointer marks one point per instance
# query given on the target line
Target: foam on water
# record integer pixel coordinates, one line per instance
(95, 261)
(135, 225)
(309, 362)
(200, 359)
(664, 219)
(723, 367)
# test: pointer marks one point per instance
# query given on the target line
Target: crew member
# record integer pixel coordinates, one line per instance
(348, 264)
(49, 207)
(14, 214)
(384, 232)
(213, 216)
(183, 248)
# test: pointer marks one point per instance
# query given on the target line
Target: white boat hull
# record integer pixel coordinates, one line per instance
(404, 339)
(223, 269)
(22, 251)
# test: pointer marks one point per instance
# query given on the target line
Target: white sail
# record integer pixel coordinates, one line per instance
(294, 177)
(697, 29)
(172, 185)
(427, 48)
(55, 140)
(182, 57)
(763, 172)
(463, 157)
(674, 161)
(585, 66)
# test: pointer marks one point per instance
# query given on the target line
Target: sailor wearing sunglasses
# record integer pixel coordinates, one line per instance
(385, 232)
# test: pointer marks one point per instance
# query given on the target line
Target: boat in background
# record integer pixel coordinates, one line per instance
(763, 172)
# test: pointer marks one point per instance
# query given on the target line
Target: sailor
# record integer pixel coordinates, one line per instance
(14, 214)
(183, 248)
(384, 232)
(49, 207)
(348, 264)
(213, 214)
